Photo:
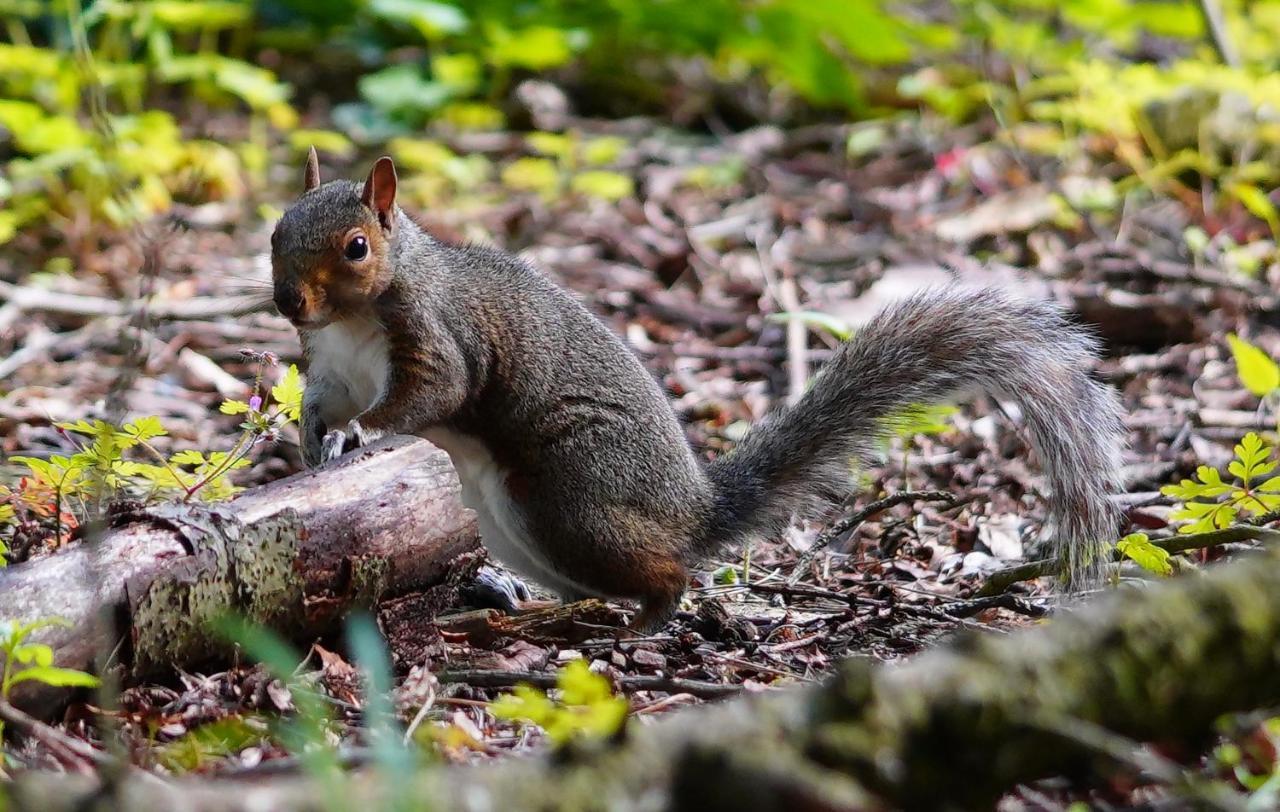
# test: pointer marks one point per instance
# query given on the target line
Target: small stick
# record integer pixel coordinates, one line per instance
(671, 685)
(853, 600)
(75, 304)
(856, 518)
(71, 752)
(1216, 25)
(1002, 579)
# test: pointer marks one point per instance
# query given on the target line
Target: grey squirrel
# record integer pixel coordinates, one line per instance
(569, 452)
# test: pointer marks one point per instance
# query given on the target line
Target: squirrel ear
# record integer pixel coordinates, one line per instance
(311, 175)
(380, 190)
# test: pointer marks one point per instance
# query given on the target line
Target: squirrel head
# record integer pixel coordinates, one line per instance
(331, 252)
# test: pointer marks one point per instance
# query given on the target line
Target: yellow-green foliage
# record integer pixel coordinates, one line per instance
(572, 161)
(1138, 548)
(217, 739)
(33, 662)
(1210, 503)
(584, 708)
(78, 94)
(76, 118)
(101, 467)
(1252, 757)
(1259, 374)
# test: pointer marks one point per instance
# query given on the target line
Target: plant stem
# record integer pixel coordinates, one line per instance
(1216, 26)
(237, 452)
(160, 458)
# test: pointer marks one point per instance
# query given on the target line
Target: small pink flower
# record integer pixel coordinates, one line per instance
(255, 403)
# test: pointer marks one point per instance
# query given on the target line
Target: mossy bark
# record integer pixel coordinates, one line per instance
(951, 729)
(295, 555)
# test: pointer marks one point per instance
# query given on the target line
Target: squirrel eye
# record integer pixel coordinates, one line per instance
(357, 249)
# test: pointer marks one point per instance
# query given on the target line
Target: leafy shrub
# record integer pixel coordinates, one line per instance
(74, 110)
(1210, 503)
(99, 470)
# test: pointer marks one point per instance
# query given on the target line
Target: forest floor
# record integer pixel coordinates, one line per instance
(722, 232)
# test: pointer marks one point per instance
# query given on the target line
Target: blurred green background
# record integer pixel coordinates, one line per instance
(111, 111)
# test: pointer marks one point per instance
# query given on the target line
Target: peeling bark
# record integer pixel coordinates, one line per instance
(294, 555)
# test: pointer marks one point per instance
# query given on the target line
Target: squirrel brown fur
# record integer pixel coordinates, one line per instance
(578, 470)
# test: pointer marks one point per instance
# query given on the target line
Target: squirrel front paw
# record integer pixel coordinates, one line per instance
(332, 446)
(497, 588)
(339, 441)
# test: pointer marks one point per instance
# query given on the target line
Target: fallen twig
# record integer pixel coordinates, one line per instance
(72, 753)
(1002, 579)
(75, 304)
(671, 685)
(860, 515)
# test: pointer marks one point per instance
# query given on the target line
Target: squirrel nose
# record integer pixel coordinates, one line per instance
(288, 299)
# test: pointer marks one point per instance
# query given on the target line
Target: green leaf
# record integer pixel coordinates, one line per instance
(477, 116)
(206, 14)
(431, 19)
(460, 72)
(532, 175)
(587, 705)
(917, 419)
(1258, 204)
(555, 145)
(605, 150)
(57, 677)
(187, 457)
(145, 428)
(257, 87)
(41, 469)
(421, 155)
(1252, 453)
(1259, 374)
(1259, 503)
(1138, 547)
(582, 686)
(13, 634)
(537, 48)
(288, 393)
(814, 319)
(524, 703)
(610, 186)
(37, 653)
(233, 407)
(328, 141)
(84, 427)
(403, 92)
(213, 740)
(725, 576)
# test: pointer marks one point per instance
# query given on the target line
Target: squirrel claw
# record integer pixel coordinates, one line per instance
(499, 589)
(332, 446)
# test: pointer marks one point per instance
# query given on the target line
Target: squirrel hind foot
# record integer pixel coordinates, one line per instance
(666, 583)
(654, 615)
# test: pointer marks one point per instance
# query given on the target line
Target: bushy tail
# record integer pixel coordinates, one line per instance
(925, 349)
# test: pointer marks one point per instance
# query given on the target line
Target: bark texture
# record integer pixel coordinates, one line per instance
(951, 729)
(294, 555)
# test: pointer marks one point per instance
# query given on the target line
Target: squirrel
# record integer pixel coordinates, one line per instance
(568, 451)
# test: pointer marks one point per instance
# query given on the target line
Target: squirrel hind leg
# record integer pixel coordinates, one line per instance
(664, 586)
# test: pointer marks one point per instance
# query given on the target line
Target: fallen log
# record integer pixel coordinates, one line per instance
(951, 729)
(294, 555)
